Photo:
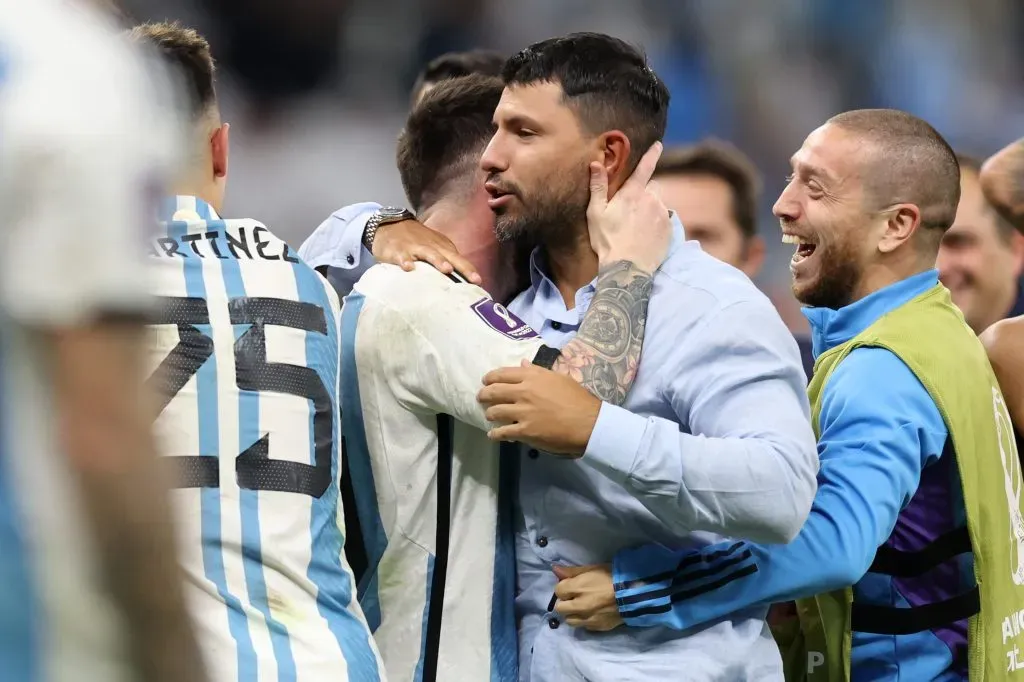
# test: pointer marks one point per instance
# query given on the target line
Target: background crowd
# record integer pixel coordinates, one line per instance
(758, 74)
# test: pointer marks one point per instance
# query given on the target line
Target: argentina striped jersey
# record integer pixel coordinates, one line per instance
(245, 360)
(433, 494)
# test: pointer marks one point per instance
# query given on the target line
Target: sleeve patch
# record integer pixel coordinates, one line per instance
(501, 320)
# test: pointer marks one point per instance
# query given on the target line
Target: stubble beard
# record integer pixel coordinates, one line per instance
(839, 274)
(550, 218)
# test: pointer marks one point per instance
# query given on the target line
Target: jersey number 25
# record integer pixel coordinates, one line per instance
(254, 469)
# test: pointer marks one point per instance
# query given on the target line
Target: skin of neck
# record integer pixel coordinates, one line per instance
(199, 178)
(901, 264)
(573, 265)
(467, 220)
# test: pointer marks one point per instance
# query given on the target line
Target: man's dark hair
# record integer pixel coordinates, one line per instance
(972, 164)
(912, 164)
(606, 81)
(187, 52)
(456, 65)
(720, 160)
(444, 137)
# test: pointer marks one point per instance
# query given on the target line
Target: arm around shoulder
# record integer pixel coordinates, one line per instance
(873, 448)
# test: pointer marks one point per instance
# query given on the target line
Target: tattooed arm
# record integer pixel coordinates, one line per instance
(1002, 180)
(603, 356)
(630, 232)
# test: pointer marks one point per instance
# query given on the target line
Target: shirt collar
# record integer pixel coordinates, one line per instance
(549, 299)
(829, 327)
(186, 208)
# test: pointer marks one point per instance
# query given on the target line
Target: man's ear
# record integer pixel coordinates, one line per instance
(219, 150)
(614, 154)
(904, 221)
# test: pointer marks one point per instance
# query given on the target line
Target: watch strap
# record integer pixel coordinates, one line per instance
(384, 216)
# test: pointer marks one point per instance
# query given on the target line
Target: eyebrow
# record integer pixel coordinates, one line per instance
(809, 169)
(520, 121)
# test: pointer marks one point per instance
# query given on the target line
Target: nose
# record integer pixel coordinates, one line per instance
(494, 160)
(787, 207)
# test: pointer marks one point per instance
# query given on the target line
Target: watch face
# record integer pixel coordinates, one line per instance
(391, 213)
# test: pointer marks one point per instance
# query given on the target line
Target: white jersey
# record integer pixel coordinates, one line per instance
(81, 142)
(245, 357)
(416, 346)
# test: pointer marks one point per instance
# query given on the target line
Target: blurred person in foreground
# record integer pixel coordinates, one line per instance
(434, 497)
(1002, 179)
(918, 504)
(245, 350)
(89, 588)
(643, 474)
(714, 190)
(981, 256)
(456, 65)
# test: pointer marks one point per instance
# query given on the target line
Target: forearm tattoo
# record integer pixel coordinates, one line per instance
(604, 356)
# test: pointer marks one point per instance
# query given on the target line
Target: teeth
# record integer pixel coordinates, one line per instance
(790, 239)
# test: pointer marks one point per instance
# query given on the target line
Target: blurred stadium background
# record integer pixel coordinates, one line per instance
(316, 90)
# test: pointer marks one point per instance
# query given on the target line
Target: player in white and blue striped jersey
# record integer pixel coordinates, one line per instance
(89, 589)
(245, 357)
(433, 495)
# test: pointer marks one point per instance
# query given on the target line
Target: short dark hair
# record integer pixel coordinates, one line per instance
(607, 82)
(444, 136)
(914, 163)
(972, 164)
(188, 52)
(456, 65)
(727, 163)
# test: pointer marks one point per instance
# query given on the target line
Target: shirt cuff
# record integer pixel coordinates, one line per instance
(350, 247)
(615, 442)
(338, 241)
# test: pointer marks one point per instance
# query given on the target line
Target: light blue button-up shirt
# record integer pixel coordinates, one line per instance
(714, 441)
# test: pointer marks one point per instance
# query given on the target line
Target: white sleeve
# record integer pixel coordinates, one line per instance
(434, 339)
(83, 166)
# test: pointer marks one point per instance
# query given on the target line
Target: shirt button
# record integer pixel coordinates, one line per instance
(533, 454)
(350, 259)
(556, 325)
(553, 623)
(542, 541)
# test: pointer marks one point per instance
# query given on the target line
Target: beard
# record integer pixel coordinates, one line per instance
(839, 273)
(550, 215)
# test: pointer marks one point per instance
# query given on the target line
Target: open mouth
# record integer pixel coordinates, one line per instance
(805, 248)
(498, 197)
